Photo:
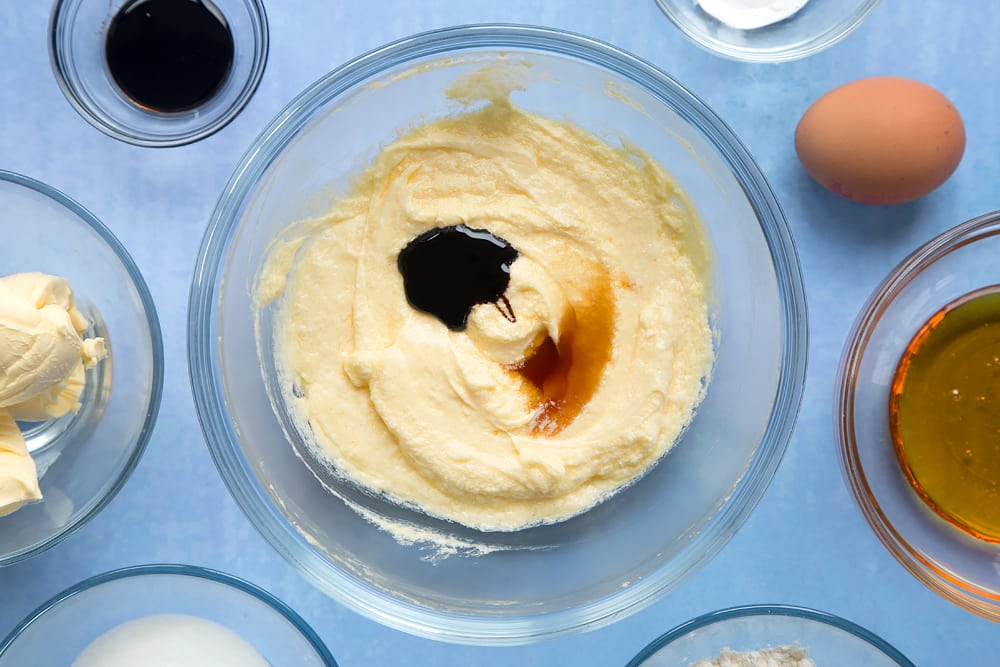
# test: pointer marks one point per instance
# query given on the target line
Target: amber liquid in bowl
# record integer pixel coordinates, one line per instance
(944, 413)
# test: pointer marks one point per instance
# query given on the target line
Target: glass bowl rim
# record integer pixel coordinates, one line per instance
(136, 136)
(981, 603)
(791, 611)
(174, 569)
(220, 434)
(156, 342)
(814, 45)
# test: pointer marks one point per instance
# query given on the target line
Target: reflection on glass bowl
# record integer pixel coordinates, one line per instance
(445, 581)
(83, 459)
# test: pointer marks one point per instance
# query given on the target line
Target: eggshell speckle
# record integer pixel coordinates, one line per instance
(882, 140)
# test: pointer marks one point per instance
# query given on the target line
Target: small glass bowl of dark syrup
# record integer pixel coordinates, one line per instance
(158, 72)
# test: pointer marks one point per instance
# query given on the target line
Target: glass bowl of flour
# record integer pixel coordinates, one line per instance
(766, 30)
(769, 636)
(164, 615)
(352, 490)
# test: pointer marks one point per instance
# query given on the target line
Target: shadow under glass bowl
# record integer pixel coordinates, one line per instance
(59, 630)
(829, 639)
(83, 459)
(77, 36)
(531, 584)
(950, 562)
(817, 26)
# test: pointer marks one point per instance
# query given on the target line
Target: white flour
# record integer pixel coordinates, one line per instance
(751, 14)
(781, 656)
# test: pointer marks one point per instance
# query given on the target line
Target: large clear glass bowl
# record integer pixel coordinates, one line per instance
(829, 639)
(516, 587)
(59, 630)
(953, 564)
(82, 459)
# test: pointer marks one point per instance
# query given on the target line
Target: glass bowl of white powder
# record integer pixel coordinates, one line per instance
(769, 636)
(766, 30)
(416, 570)
(164, 615)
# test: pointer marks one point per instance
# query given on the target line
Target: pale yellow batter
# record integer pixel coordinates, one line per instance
(611, 270)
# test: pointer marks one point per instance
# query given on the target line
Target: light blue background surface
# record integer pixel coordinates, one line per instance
(806, 543)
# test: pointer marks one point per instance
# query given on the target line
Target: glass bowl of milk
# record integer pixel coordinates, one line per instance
(168, 615)
(766, 30)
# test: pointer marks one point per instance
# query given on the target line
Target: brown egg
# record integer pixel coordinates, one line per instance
(883, 140)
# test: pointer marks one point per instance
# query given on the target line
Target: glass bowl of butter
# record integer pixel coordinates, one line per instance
(164, 615)
(917, 414)
(774, 635)
(767, 31)
(82, 366)
(497, 333)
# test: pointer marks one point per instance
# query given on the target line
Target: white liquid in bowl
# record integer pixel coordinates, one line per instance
(170, 640)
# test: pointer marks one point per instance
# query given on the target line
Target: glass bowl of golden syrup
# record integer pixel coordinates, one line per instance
(917, 414)
(158, 72)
